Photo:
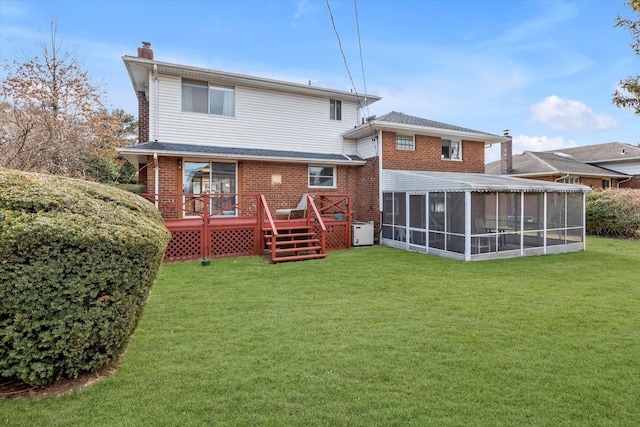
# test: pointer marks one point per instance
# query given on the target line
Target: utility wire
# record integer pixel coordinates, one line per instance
(364, 80)
(344, 58)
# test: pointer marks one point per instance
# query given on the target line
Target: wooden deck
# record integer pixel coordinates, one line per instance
(200, 236)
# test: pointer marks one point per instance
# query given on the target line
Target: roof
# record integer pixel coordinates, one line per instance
(419, 181)
(139, 69)
(137, 153)
(532, 163)
(400, 122)
(610, 151)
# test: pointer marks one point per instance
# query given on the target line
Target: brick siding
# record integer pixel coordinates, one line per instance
(427, 155)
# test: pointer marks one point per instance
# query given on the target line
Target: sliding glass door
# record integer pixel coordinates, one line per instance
(213, 178)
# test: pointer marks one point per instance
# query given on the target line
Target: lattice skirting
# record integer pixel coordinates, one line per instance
(228, 243)
(336, 237)
(184, 245)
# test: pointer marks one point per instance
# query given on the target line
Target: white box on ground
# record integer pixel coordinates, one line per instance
(361, 233)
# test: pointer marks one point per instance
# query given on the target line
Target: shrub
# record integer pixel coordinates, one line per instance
(77, 262)
(613, 213)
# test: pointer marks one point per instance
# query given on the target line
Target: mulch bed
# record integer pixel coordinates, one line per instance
(17, 389)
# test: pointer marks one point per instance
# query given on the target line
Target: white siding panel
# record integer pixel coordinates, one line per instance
(626, 168)
(367, 148)
(263, 119)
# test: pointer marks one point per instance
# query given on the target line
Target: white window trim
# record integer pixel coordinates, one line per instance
(413, 142)
(449, 159)
(333, 110)
(335, 177)
(209, 87)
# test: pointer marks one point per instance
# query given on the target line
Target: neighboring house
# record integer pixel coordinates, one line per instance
(613, 156)
(612, 165)
(205, 132)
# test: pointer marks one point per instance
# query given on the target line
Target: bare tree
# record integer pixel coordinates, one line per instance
(52, 116)
(627, 95)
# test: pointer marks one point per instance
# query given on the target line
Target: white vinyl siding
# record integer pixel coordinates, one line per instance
(367, 148)
(263, 119)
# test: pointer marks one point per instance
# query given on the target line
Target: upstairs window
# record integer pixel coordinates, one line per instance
(335, 109)
(405, 142)
(451, 149)
(202, 97)
(322, 177)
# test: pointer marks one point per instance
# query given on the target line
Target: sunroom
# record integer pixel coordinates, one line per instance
(476, 217)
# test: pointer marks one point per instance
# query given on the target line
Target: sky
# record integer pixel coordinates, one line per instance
(543, 69)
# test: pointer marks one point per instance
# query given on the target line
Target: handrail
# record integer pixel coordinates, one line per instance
(323, 229)
(272, 224)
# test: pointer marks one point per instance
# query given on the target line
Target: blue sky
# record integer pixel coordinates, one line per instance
(543, 69)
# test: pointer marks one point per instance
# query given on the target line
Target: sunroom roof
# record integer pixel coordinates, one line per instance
(420, 181)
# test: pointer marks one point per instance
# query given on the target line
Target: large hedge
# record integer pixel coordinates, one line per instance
(77, 262)
(613, 213)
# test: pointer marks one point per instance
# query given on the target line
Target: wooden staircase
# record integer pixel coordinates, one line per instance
(293, 243)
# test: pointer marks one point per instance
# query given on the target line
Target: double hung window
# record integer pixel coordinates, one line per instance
(322, 177)
(202, 97)
(335, 109)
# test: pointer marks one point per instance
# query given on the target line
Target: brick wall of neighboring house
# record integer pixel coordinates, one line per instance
(427, 155)
(595, 182)
(634, 183)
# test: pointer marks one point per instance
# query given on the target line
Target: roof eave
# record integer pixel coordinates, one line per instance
(365, 130)
(245, 80)
(135, 156)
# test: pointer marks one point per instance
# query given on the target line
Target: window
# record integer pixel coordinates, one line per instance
(571, 180)
(322, 177)
(216, 179)
(201, 97)
(451, 149)
(335, 109)
(606, 183)
(404, 142)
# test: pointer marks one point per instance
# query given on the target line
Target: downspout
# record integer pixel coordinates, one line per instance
(379, 156)
(562, 177)
(624, 180)
(156, 177)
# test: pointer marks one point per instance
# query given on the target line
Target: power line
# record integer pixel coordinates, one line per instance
(344, 58)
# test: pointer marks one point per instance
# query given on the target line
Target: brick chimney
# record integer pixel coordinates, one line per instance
(506, 155)
(145, 51)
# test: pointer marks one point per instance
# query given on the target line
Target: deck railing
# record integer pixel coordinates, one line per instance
(226, 225)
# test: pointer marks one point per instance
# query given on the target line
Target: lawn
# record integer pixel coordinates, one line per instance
(376, 336)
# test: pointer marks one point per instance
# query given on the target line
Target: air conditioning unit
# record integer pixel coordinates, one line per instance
(361, 233)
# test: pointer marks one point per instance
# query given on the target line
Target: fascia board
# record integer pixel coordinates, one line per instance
(448, 133)
(130, 153)
(250, 81)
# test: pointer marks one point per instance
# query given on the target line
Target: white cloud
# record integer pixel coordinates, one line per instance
(522, 143)
(567, 115)
(303, 7)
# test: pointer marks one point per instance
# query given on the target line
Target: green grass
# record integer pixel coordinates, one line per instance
(376, 336)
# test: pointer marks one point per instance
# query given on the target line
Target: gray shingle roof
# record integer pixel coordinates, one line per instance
(186, 149)
(600, 152)
(543, 163)
(401, 118)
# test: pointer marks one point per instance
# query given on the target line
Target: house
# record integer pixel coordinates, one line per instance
(614, 156)
(223, 154)
(601, 166)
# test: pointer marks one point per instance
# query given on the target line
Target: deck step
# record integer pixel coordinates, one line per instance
(293, 243)
(299, 257)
